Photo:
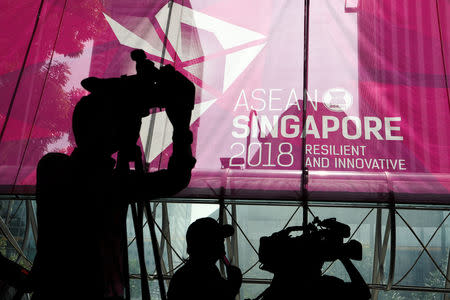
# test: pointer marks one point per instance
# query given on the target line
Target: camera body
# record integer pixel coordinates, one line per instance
(321, 241)
(121, 102)
(149, 88)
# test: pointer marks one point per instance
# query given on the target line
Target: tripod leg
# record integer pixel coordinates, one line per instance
(126, 270)
(151, 224)
(137, 220)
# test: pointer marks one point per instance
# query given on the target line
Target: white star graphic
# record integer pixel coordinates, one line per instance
(240, 47)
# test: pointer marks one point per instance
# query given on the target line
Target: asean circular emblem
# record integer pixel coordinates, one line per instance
(337, 99)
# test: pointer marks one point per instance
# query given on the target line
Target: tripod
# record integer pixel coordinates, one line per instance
(138, 209)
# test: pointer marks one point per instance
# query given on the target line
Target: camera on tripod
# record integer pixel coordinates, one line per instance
(321, 241)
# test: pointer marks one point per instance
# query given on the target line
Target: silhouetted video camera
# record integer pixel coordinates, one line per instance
(149, 88)
(123, 101)
(321, 241)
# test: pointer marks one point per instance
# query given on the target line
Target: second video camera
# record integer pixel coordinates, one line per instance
(321, 241)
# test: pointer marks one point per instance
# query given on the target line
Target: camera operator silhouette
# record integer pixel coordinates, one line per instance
(82, 199)
(199, 278)
(296, 263)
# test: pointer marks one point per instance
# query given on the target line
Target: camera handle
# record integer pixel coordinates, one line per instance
(306, 229)
(293, 228)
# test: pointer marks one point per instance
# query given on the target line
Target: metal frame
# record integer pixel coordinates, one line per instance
(382, 241)
(228, 213)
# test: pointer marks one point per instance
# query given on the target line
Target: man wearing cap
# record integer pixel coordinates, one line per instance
(200, 278)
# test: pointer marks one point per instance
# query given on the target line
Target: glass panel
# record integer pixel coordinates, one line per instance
(259, 220)
(426, 226)
(135, 285)
(406, 295)
(362, 224)
(13, 213)
(251, 291)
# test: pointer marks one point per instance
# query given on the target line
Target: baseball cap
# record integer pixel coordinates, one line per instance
(207, 229)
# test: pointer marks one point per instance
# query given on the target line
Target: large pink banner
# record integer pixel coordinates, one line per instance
(377, 105)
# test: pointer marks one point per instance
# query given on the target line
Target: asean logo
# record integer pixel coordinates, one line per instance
(188, 34)
(209, 51)
(337, 99)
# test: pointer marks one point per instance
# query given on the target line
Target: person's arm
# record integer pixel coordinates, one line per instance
(176, 177)
(360, 289)
(181, 162)
(234, 280)
(176, 291)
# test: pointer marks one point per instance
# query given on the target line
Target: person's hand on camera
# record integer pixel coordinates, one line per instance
(179, 90)
(180, 118)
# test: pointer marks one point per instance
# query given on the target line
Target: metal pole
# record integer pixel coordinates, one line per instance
(445, 249)
(234, 239)
(27, 231)
(126, 267)
(153, 110)
(228, 241)
(150, 218)
(163, 54)
(393, 241)
(381, 250)
(447, 283)
(8, 211)
(32, 219)
(376, 254)
(10, 237)
(151, 225)
(163, 267)
(137, 212)
(137, 221)
(221, 219)
(304, 178)
(166, 230)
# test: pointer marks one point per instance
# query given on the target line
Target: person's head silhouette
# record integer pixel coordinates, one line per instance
(205, 240)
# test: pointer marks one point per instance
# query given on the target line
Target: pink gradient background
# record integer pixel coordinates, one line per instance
(390, 55)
